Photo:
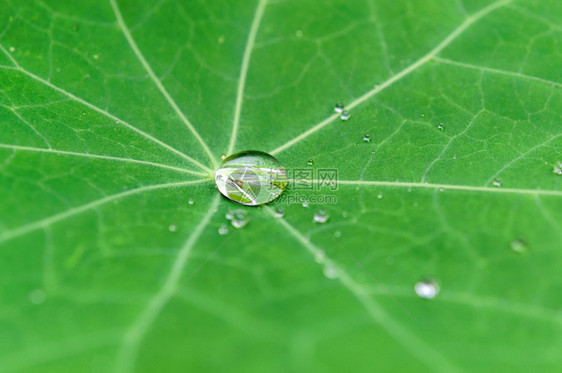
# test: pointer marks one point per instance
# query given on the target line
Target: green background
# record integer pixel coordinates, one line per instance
(113, 116)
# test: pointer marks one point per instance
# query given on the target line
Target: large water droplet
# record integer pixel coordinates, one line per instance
(321, 216)
(251, 178)
(239, 218)
(427, 289)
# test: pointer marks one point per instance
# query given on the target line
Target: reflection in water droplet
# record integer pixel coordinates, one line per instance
(427, 289)
(223, 230)
(239, 218)
(367, 137)
(558, 168)
(223, 156)
(440, 126)
(497, 183)
(251, 178)
(338, 107)
(310, 162)
(330, 271)
(173, 228)
(279, 212)
(519, 245)
(191, 202)
(37, 296)
(321, 216)
(345, 115)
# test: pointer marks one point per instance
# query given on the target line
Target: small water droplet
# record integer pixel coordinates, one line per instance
(223, 230)
(75, 27)
(519, 245)
(191, 202)
(173, 228)
(298, 33)
(440, 126)
(337, 234)
(427, 289)
(37, 296)
(251, 178)
(330, 271)
(310, 162)
(345, 115)
(379, 196)
(279, 212)
(454, 157)
(367, 137)
(338, 108)
(96, 56)
(305, 204)
(441, 189)
(319, 256)
(12, 49)
(229, 215)
(223, 156)
(321, 216)
(497, 183)
(239, 218)
(116, 122)
(558, 168)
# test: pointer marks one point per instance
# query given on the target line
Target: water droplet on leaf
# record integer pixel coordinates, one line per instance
(305, 204)
(497, 183)
(298, 33)
(173, 228)
(239, 218)
(427, 289)
(310, 162)
(279, 212)
(330, 271)
(440, 126)
(338, 108)
(12, 49)
(519, 245)
(321, 216)
(319, 256)
(223, 230)
(345, 115)
(251, 178)
(367, 137)
(558, 168)
(223, 156)
(191, 202)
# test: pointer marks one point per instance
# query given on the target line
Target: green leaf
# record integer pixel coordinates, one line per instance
(114, 115)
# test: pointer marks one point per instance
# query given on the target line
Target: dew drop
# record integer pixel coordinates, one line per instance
(75, 27)
(305, 204)
(223, 156)
(12, 49)
(239, 218)
(319, 256)
(251, 178)
(367, 137)
(440, 126)
(229, 215)
(117, 122)
(298, 33)
(338, 108)
(519, 245)
(330, 271)
(558, 168)
(96, 56)
(379, 196)
(173, 228)
(223, 230)
(310, 162)
(37, 296)
(337, 234)
(497, 183)
(279, 212)
(321, 216)
(345, 115)
(191, 202)
(427, 289)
